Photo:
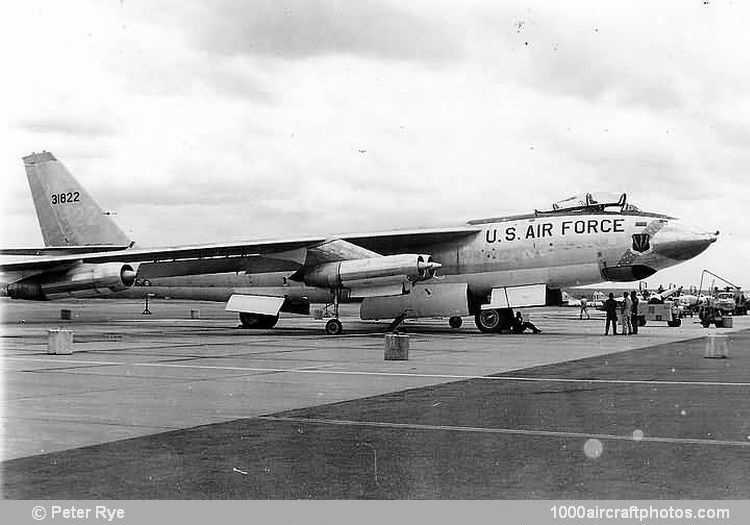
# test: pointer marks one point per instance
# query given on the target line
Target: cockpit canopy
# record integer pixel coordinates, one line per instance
(593, 202)
(598, 201)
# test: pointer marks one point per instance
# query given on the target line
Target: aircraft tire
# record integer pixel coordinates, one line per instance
(455, 322)
(334, 327)
(487, 321)
(258, 321)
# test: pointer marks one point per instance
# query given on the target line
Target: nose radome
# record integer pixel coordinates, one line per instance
(682, 242)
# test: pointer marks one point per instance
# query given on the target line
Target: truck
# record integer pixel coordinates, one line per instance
(660, 312)
(731, 302)
(709, 314)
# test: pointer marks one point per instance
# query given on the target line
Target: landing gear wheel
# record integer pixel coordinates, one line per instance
(334, 327)
(455, 322)
(258, 321)
(487, 321)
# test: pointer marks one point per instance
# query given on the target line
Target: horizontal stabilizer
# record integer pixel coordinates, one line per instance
(62, 250)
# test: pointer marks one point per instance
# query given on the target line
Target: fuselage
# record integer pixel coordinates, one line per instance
(557, 249)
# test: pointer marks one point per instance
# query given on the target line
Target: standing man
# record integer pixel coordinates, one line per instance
(584, 308)
(627, 314)
(610, 306)
(634, 318)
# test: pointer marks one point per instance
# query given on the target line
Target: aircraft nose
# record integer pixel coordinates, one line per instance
(682, 242)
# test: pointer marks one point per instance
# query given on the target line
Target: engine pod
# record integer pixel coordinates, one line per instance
(83, 279)
(363, 272)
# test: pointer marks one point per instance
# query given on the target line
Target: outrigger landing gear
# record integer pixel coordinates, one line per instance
(455, 322)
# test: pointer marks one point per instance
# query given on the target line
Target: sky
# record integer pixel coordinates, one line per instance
(219, 121)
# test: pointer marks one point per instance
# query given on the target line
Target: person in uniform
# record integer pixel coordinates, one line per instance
(627, 314)
(584, 308)
(518, 325)
(610, 306)
(634, 317)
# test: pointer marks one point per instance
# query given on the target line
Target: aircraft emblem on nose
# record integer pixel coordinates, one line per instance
(641, 242)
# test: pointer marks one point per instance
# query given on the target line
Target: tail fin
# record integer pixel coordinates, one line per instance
(67, 214)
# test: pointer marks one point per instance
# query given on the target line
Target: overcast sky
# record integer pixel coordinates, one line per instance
(200, 121)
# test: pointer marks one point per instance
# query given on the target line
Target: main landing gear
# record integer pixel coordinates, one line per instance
(455, 322)
(258, 321)
(334, 326)
(494, 320)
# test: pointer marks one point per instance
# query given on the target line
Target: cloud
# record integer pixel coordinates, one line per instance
(63, 124)
(623, 58)
(292, 29)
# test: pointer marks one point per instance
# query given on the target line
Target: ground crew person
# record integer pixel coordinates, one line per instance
(518, 325)
(610, 306)
(584, 308)
(634, 317)
(627, 314)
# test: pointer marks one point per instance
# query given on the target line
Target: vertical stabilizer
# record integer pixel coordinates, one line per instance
(68, 216)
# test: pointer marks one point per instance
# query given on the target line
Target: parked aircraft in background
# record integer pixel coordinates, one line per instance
(483, 268)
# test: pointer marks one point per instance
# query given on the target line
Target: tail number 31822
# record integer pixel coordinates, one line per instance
(62, 198)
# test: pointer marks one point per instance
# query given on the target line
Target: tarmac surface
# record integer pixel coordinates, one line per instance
(168, 407)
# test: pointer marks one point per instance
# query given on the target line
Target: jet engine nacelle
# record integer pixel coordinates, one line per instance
(376, 271)
(87, 280)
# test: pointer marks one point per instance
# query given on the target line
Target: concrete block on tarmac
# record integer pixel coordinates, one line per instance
(396, 347)
(717, 346)
(195, 314)
(60, 341)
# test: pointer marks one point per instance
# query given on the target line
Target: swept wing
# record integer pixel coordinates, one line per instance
(199, 259)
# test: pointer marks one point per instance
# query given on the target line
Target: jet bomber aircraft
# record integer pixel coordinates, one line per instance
(484, 268)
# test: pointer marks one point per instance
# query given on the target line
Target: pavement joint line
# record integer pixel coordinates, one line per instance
(318, 370)
(513, 431)
(100, 423)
